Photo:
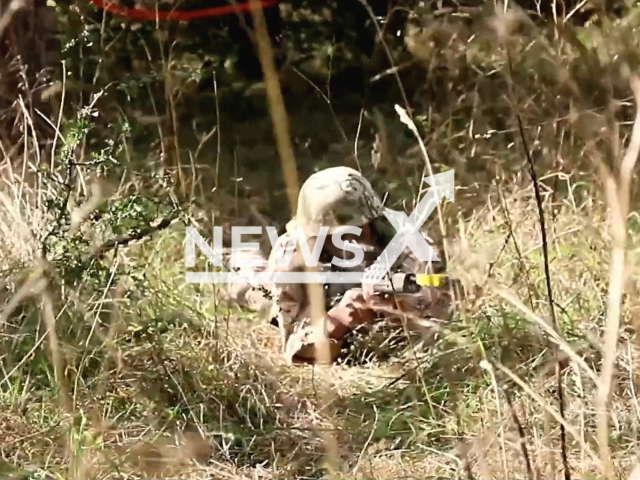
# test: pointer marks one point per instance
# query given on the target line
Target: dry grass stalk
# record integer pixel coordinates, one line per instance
(618, 194)
(552, 411)
(555, 336)
(5, 19)
(375, 450)
(285, 151)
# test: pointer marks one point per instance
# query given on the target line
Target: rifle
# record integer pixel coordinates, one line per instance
(407, 283)
(333, 292)
(398, 283)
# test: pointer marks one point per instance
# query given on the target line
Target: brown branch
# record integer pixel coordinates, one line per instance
(141, 234)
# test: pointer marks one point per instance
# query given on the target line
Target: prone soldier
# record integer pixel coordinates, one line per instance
(338, 197)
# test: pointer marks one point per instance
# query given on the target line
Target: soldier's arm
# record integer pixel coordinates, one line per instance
(289, 294)
(349, 313)
(300, 345)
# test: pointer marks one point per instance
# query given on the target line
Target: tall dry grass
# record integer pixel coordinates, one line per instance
(125, 370)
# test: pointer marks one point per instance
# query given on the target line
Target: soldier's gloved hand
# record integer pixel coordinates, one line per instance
(374, 301)
(351, 312)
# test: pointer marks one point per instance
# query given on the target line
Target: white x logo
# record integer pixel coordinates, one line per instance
(408, 228)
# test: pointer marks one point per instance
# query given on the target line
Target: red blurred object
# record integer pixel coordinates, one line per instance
(177, 15)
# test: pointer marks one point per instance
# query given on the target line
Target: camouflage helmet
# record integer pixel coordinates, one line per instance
(333, 197)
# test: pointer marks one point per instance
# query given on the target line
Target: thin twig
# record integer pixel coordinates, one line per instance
(521, 435)
(547, 273)
(387, 50)
(531, 290)
(327, 100)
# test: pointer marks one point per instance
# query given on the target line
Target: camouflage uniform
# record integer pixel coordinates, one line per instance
(334, 197)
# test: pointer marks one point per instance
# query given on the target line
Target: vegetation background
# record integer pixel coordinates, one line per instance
(117, 133)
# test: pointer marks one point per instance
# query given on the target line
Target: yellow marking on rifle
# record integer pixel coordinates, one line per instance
(429, 280)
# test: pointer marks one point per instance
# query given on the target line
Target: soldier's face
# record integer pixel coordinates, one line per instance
(365, 237)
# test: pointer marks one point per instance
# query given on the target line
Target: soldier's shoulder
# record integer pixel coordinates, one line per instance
(284, 247)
